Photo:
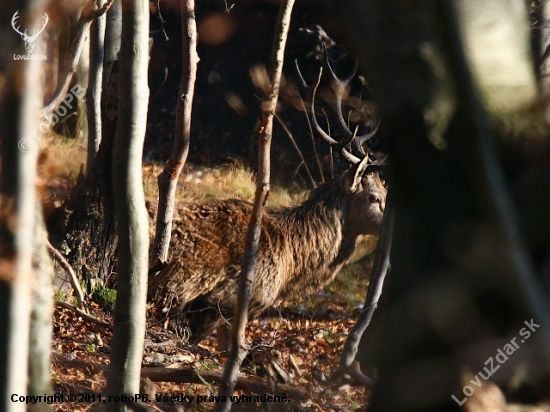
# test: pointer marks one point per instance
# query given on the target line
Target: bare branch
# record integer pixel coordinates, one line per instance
(72, 276)
(81, 313)
(291, 137)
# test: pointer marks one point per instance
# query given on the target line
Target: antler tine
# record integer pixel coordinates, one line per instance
(35, 32)
(339, 89)
(362, 139)
(319, 129)
(302, 80)
(46, 20)
(350, 157)
(14, 22)
(347, 155)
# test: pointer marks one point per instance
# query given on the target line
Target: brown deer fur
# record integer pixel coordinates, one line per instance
(301, 250)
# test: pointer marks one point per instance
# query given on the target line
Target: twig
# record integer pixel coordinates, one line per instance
(79, 312)
(250, 384)
(315, 152)
(162, 22)
(294, 365)
(291, 137)
(228, 9)
(72, 276)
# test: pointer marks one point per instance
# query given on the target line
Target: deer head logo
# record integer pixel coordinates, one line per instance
(29, 40)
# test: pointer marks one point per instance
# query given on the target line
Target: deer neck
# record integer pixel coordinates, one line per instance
(314, 242)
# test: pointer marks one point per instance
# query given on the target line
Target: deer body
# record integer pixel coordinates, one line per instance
(301, 250)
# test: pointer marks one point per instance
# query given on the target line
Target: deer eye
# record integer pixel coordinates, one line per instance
(374, 199)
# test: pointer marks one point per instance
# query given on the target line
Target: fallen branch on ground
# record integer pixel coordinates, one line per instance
(248, 384)
(81, 313)
(72, 276)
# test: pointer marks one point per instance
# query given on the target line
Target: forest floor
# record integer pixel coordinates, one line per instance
(301, 344)
(294, 349)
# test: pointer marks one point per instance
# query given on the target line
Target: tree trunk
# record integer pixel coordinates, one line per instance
(133, 232)
(41, 317)
(541, 46)
(84, 228)
(457, 253)
(168, 179)
(238, 350)
(112, 47)
(95, 83)
(381, 267)
(19, 104)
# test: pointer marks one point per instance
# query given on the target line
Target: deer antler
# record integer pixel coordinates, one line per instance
(46, 20)
(14, 22)
(339, 86)
(35, 33)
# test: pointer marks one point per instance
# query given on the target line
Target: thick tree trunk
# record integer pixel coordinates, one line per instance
(238, 350)
(19, 104)
(84, 228)
(168, 179)
(462, 282)
(133, 231)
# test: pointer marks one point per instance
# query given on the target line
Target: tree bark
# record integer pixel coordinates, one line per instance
(112, 47)
(457, 252)
(41, 316)
(381, 267)
(133, 233)
(84, 228)
(541, 46)
(95, 83)
(168, 179)
(238, 350)
(19, 104)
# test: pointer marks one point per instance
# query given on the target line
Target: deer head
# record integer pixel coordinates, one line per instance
(29, 40)
(361, 182)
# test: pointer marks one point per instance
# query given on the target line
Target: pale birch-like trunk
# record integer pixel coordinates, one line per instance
(129, 315)
(112, 47)
(41, 316)
(168, 179)
(95, 86)
(19, 104)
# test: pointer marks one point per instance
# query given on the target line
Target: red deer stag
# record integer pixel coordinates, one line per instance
(301, 248)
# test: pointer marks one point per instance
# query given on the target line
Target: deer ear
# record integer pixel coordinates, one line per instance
(353, 177)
